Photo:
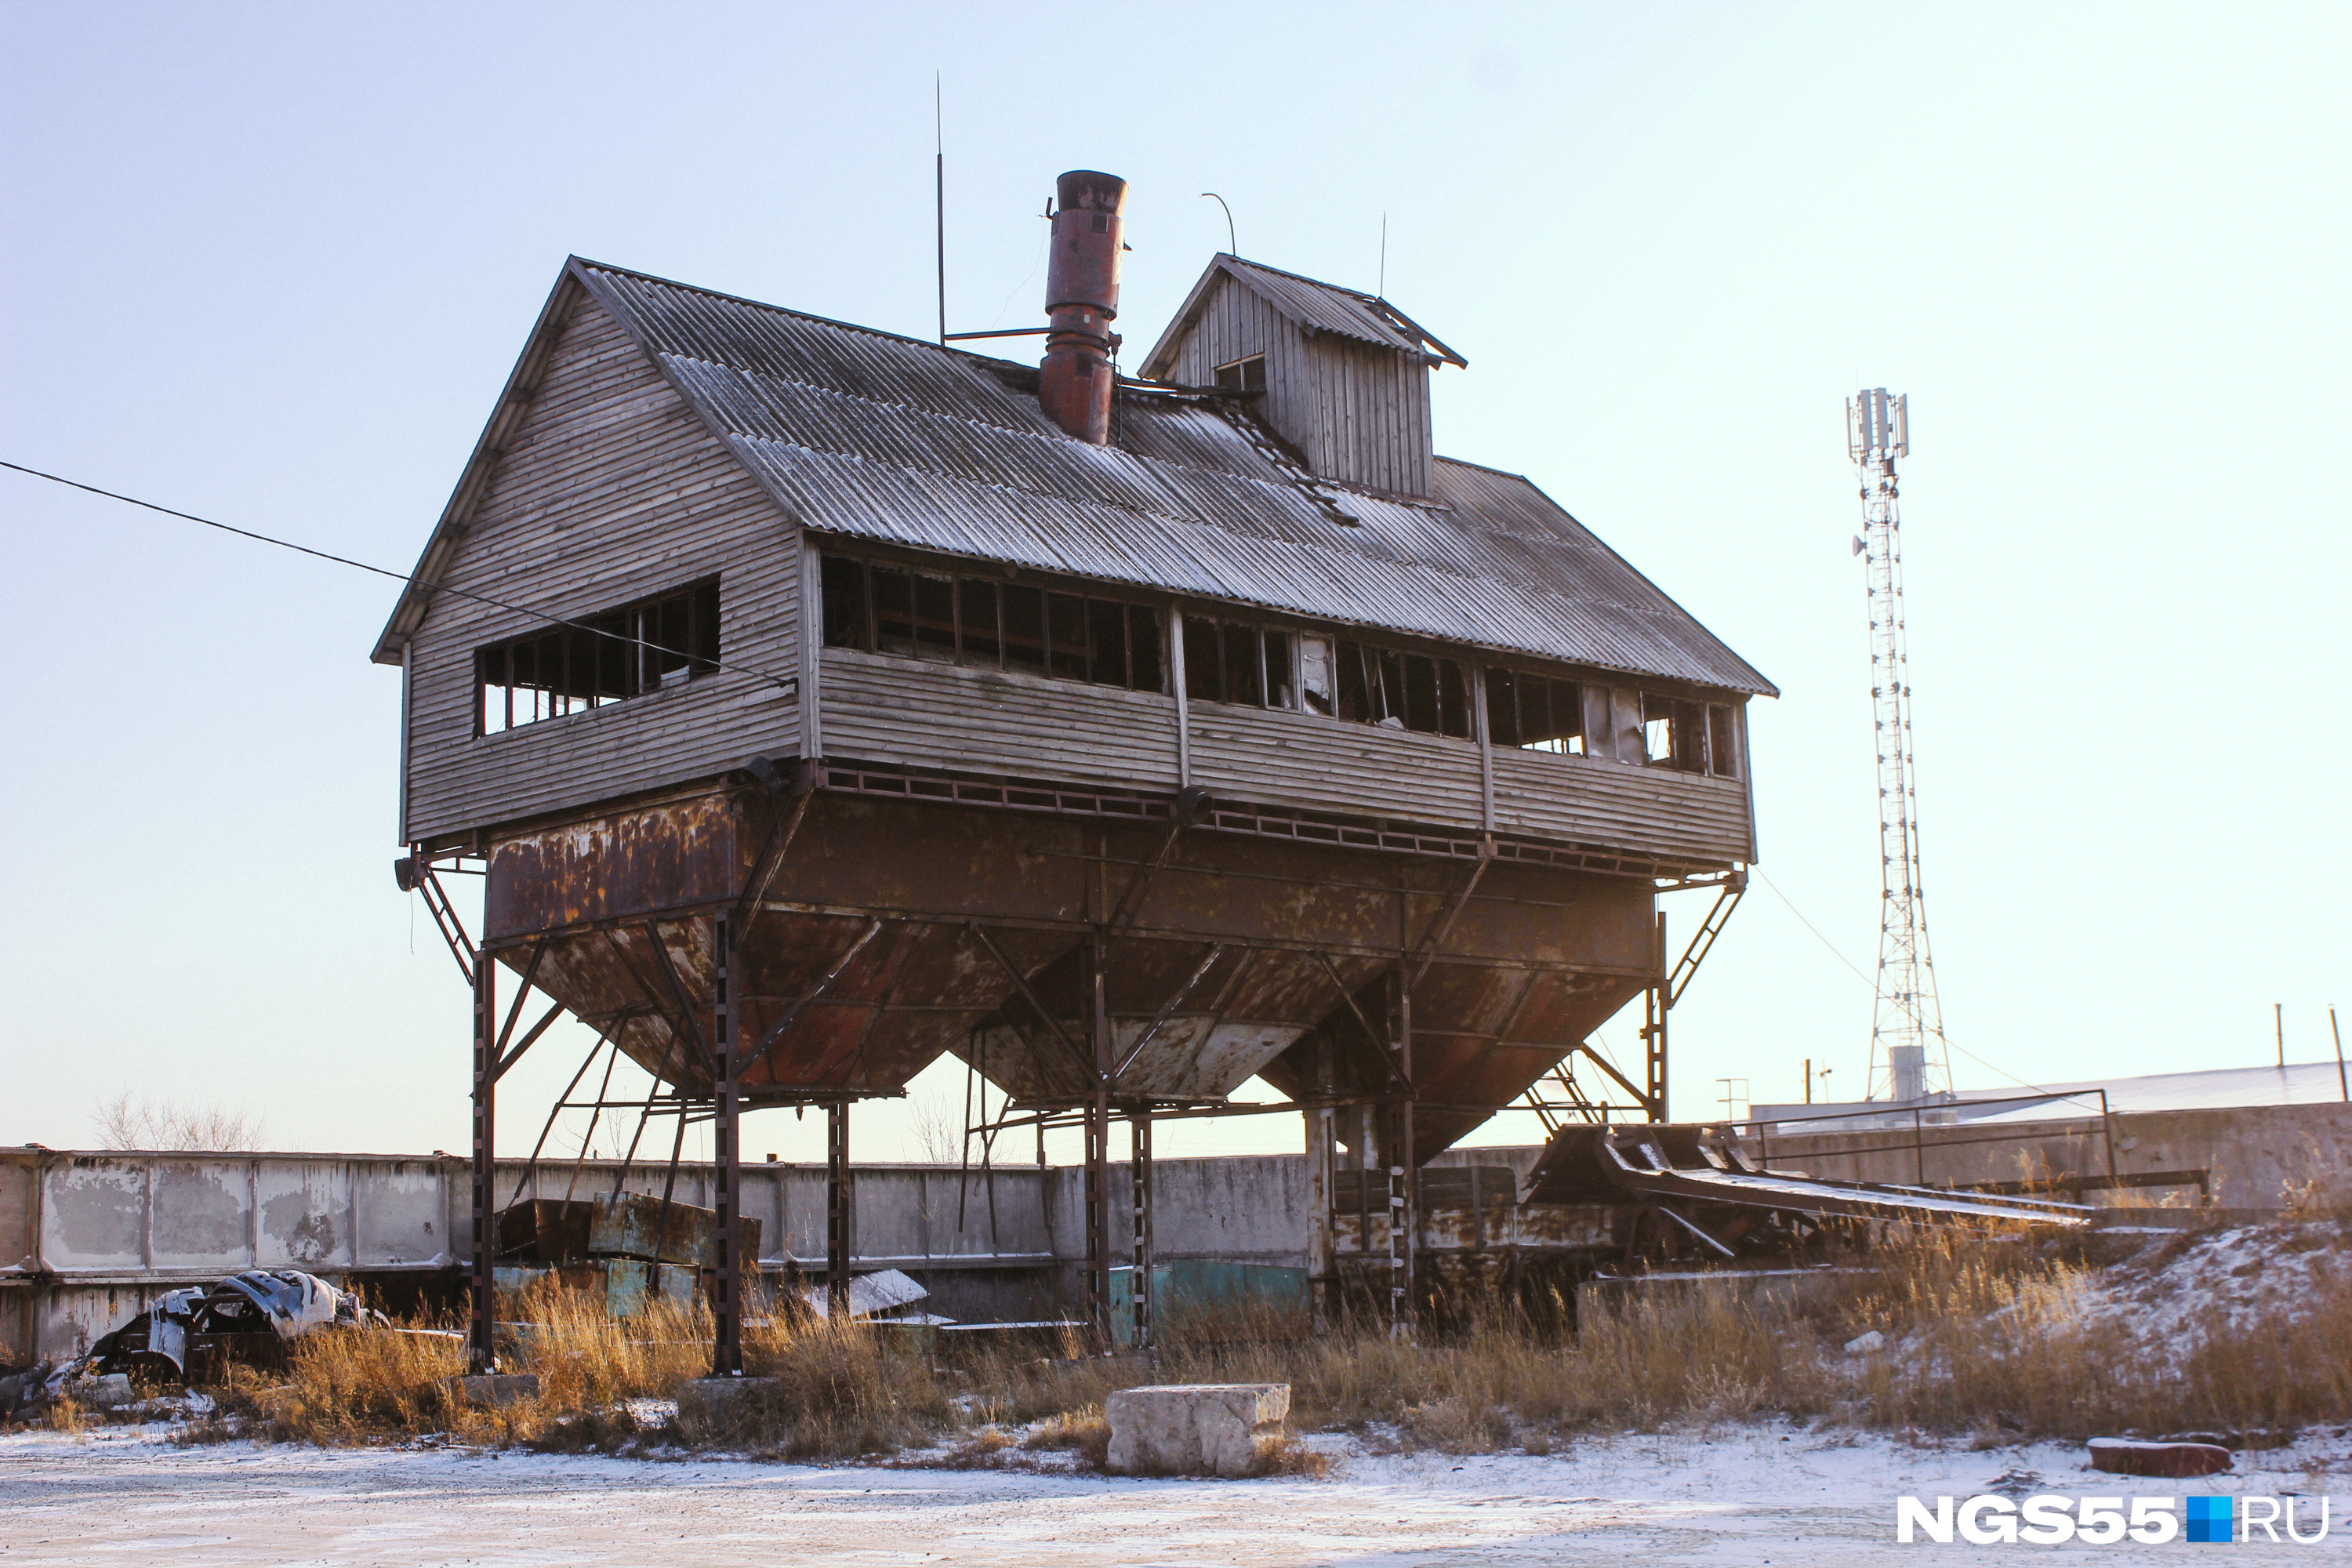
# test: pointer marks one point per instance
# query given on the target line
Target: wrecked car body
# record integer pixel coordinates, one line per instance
(249, 1317)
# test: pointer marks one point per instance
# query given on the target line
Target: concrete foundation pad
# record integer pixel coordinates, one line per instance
(706, 1404)
(494, 1391)
(2125, 1456)
(1193, 1429)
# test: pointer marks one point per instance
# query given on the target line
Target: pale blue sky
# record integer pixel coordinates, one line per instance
(270, 263)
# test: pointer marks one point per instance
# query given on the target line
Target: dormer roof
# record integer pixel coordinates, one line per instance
(1306, 303)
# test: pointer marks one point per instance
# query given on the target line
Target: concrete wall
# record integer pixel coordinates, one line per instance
(87, 1239)
(91, 1237)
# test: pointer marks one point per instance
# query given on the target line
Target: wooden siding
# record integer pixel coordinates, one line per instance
(1621, 805)
(886, 709)
(609, 489)
(1332, 764)
(1358, 413)
(879, 709)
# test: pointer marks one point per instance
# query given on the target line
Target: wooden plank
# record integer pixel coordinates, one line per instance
(606, 492)
(918, 714)
(1304, 760)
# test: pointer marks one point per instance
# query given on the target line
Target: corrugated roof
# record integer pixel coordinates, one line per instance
(1306, 303)
(865, 435)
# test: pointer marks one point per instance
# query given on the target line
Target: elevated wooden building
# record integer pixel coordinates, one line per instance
(818, 700)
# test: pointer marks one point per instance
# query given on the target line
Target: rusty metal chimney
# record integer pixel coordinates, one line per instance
(1081, 302)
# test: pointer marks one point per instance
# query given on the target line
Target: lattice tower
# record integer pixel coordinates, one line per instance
(1907, 1055)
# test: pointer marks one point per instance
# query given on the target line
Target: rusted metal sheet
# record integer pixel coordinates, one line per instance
(640, 1225)
(543, 1230)
(676, 854)
(894, 931)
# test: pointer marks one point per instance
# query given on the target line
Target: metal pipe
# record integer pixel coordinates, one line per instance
(1075, 385)
(2342, 1082)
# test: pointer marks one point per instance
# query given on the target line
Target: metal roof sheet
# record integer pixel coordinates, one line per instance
(866, 435)
(1316, 306)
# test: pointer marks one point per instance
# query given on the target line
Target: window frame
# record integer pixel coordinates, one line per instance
(1242, 369)
(1074, 631)
(622, 630)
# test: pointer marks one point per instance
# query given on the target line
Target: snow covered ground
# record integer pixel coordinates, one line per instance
(1766, 1494)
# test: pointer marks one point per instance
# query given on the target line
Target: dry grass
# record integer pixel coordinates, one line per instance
(842, 1389)
(1982, 1335)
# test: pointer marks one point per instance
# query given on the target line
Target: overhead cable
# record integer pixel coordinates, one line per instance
(407, 577)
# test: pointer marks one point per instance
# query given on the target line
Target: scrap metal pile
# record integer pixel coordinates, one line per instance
(1690, 1190)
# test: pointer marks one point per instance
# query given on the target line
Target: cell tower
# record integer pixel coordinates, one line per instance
(1907, 1058)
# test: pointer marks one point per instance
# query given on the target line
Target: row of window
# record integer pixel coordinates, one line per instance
(1267, 666)
(992, 625)
(981, 622)
(597, 660)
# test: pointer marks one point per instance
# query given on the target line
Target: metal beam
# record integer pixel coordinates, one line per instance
(1380, 1045)
(1167, 1010)
(771, 861)
(546, 1020)
(792, 1015)
(445, 916)
(1442, 927)
(1225, 1000)
(481, 1314)
(1703, 940)
(1086, 1063)
(726, 1153)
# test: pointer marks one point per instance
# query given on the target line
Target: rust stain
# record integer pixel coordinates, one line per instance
(617, 893)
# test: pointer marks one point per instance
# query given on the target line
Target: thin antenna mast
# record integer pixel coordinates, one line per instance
(1233, 248)
(1382, 290)
(1907, 1031)
(940, 168)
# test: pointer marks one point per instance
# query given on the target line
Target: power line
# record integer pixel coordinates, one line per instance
(1866, 979)
(406, 577)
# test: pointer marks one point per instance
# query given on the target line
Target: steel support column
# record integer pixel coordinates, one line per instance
(1097, 1150)
(1322, 1146)
(482, 1318)
(837, 1217)
(726, 1153)
(1655, 1004)
(1138, 1123)
(1404, 1180)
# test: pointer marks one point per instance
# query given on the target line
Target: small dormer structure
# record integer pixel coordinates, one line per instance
(1342, 375)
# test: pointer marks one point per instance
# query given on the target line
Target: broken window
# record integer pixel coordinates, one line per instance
(598, 659)
(1400, 690)
(1243, 374)
(1534, 713)
(978, 621)
(1315, 674)
(1671, 734)
(1722, 741)
(1239, 662)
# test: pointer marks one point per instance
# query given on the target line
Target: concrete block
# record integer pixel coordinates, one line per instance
(2126, 1457)
(709, 1407)
(1193, 1429)
(494, 1391)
